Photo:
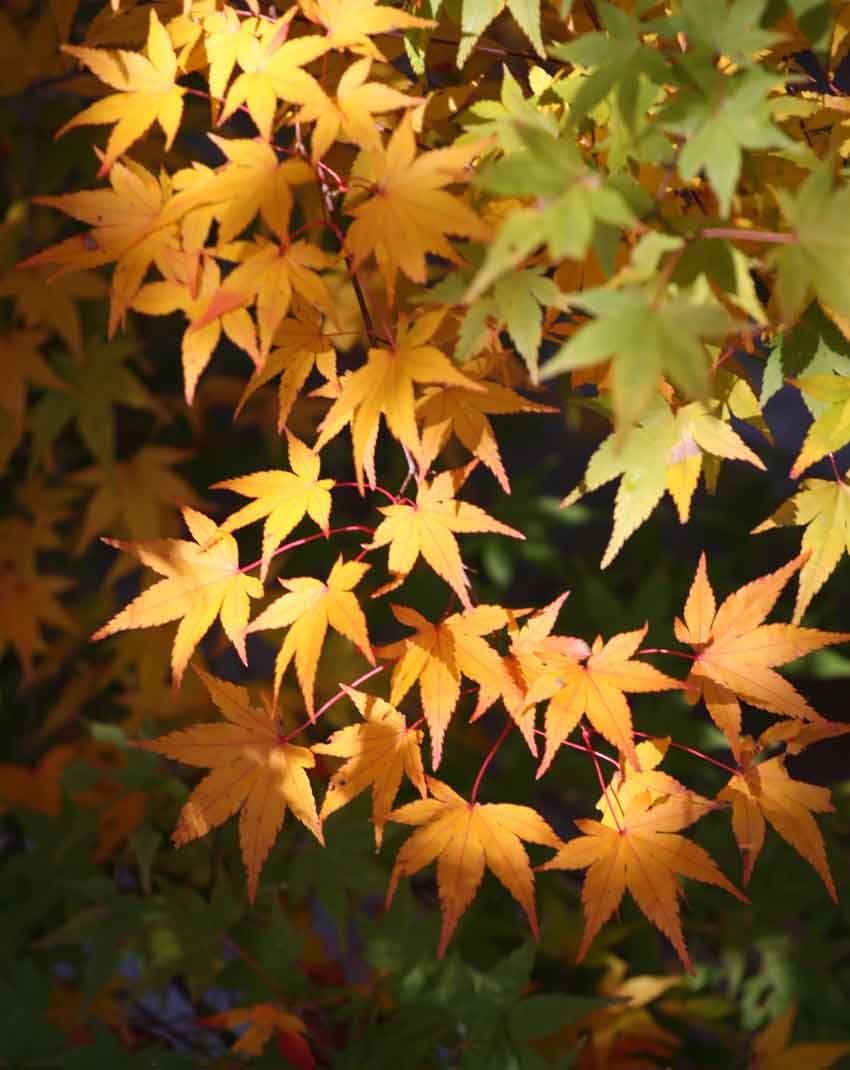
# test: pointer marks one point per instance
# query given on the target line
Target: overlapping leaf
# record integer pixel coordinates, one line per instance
(437, 655)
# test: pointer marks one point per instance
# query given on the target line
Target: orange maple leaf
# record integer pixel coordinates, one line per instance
(307, 609)
(348, 116)
(379, 752)
(636, 846)
(283, 498)
(428, 526)
(459, 410)
(202, 582)
(437, 655)
(765, 790)
(28, 602)
(771, 1051)
(595, 688)
(736, 652)
(262, 1021)
(147, 92)
(252, 769)
(464, 837)
(385, 385)
(408, 214)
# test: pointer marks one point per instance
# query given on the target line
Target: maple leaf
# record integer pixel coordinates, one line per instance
(300, 344)
(268, 274)
(644, 854)
(457, 410)
(254, 181)
(736, 652)
(53, 306)
(823, 506)
(147, 92)
(133, 494)
(764, 790)
(28, 602)
(524, 664)
(831, 429)
(133, 224)
(39, 787)
(349, 115)
(202, 582)
(665, 452)
(22, 363)
(384, 384)
(595, 689)
(307, 609)
(260, 1023)
(271, 70)
(197, 346)
(464, 837)
(771, 1051)
(428, 526)
(350, 23)
(283, 498)
(253, 769)
(407, 213)
(379, 751)
(437, 655)
(645, 338)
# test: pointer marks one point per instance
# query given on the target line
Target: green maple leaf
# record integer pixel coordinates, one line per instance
(476, 16)
(831, 428)
(816, 262)
(665, 453)
(720, 116)
(646, 337)
(822, 506)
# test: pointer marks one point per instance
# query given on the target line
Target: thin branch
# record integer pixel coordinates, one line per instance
(492, 753)
(309, 538)
(603, 785)
(772, 237)
(696, 753)
(331, 701)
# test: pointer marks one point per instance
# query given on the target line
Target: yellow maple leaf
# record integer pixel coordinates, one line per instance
(823, 506)
(147, 92)
(268, 273)
(379, 751)
(465, 837)
(349, 24)
(436, 655)
(428, 527)
(271, 71)
(300, 344)
(348, 115)
(407, 213)
(307, 609)
(638, 848)
(133, 224)
(736, 652)
(202, 582)
(385, 385)
(283, 498)
(197, 346)
(252, 769)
